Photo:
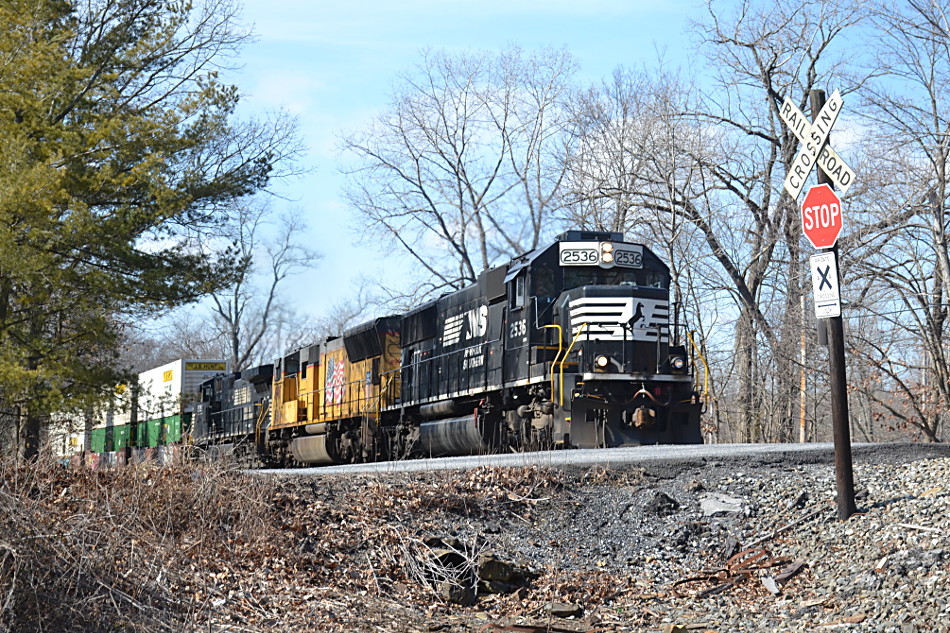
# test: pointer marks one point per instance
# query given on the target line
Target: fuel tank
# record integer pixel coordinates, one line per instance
(452, 436)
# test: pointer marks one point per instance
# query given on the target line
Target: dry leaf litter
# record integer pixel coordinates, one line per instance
(711, 547)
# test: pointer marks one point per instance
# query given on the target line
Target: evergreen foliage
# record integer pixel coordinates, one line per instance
(118, 148)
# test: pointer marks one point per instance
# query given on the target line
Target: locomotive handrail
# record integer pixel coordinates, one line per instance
(259, 423)
(315, 401)
(564, 360)
(699, 353)
(385, 382)
(456, 351)
(384, 387)
(557, 357)
(431, 362)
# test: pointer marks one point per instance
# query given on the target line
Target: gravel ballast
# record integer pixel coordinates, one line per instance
(885, 569)
(642, 533)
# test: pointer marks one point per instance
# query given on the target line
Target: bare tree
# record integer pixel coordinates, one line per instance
(904, 266)
(184, 335)
(247, 323)
(245, 313)
(761, 55)
(632, 157)
(463, 168)
(706, 167)
(357, 307)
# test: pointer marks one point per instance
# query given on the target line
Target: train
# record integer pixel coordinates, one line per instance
(571, 345)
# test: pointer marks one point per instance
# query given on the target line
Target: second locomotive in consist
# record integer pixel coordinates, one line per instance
(568, 345)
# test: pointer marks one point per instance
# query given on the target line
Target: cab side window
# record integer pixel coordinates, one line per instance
(517, 290)
(544, 284)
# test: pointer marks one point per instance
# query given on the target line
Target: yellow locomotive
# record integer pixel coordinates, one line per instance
(327, 398)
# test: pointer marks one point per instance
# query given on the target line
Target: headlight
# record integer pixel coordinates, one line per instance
(678, 363)
(607, 257)
(601, 361)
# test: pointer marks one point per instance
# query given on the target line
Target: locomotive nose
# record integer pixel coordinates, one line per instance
(616, 329)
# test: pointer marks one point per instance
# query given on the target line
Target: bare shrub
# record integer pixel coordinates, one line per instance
(115, 551)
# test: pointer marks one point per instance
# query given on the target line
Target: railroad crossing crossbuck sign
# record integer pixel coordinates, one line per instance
(815, 148)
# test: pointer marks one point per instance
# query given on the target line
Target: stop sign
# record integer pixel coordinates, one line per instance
(821, 216)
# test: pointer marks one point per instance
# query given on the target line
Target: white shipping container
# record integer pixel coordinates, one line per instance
(116, 412)
(163, 391)
(173, 388)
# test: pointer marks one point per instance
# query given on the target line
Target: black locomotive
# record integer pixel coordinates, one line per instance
(569, 345)
(231, 408)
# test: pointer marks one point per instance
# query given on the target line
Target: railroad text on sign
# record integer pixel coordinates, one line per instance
(813, 137)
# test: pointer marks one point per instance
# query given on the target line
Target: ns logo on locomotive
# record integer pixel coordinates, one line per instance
(566, 346)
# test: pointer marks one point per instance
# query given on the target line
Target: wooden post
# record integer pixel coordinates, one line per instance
(844, 472)
(802, 434)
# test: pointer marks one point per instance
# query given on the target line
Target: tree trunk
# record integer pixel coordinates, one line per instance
(745, 359)
(32, 431)
(87, 430)
(31, 420)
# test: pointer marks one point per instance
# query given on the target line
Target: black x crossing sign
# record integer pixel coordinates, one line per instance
(824, 281)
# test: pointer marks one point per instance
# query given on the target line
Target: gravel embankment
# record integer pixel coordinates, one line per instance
(886, 569)
(491, 549)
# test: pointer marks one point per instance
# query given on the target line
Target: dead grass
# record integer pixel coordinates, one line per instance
(88, 551)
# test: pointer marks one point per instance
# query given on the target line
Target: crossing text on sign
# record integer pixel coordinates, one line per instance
(815, 148)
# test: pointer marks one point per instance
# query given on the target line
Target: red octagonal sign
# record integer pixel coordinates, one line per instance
(821, 216)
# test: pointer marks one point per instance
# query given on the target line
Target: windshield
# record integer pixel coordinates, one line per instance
(576, 276)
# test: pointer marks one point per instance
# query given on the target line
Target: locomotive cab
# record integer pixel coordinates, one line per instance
(592, 314)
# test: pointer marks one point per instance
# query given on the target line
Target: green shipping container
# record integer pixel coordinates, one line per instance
(148, 434)
(97, 440)
(171, 429)
(108, 439)
(161, 431)
(120, 437)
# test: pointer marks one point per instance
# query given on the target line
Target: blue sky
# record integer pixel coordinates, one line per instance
(333, 65)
